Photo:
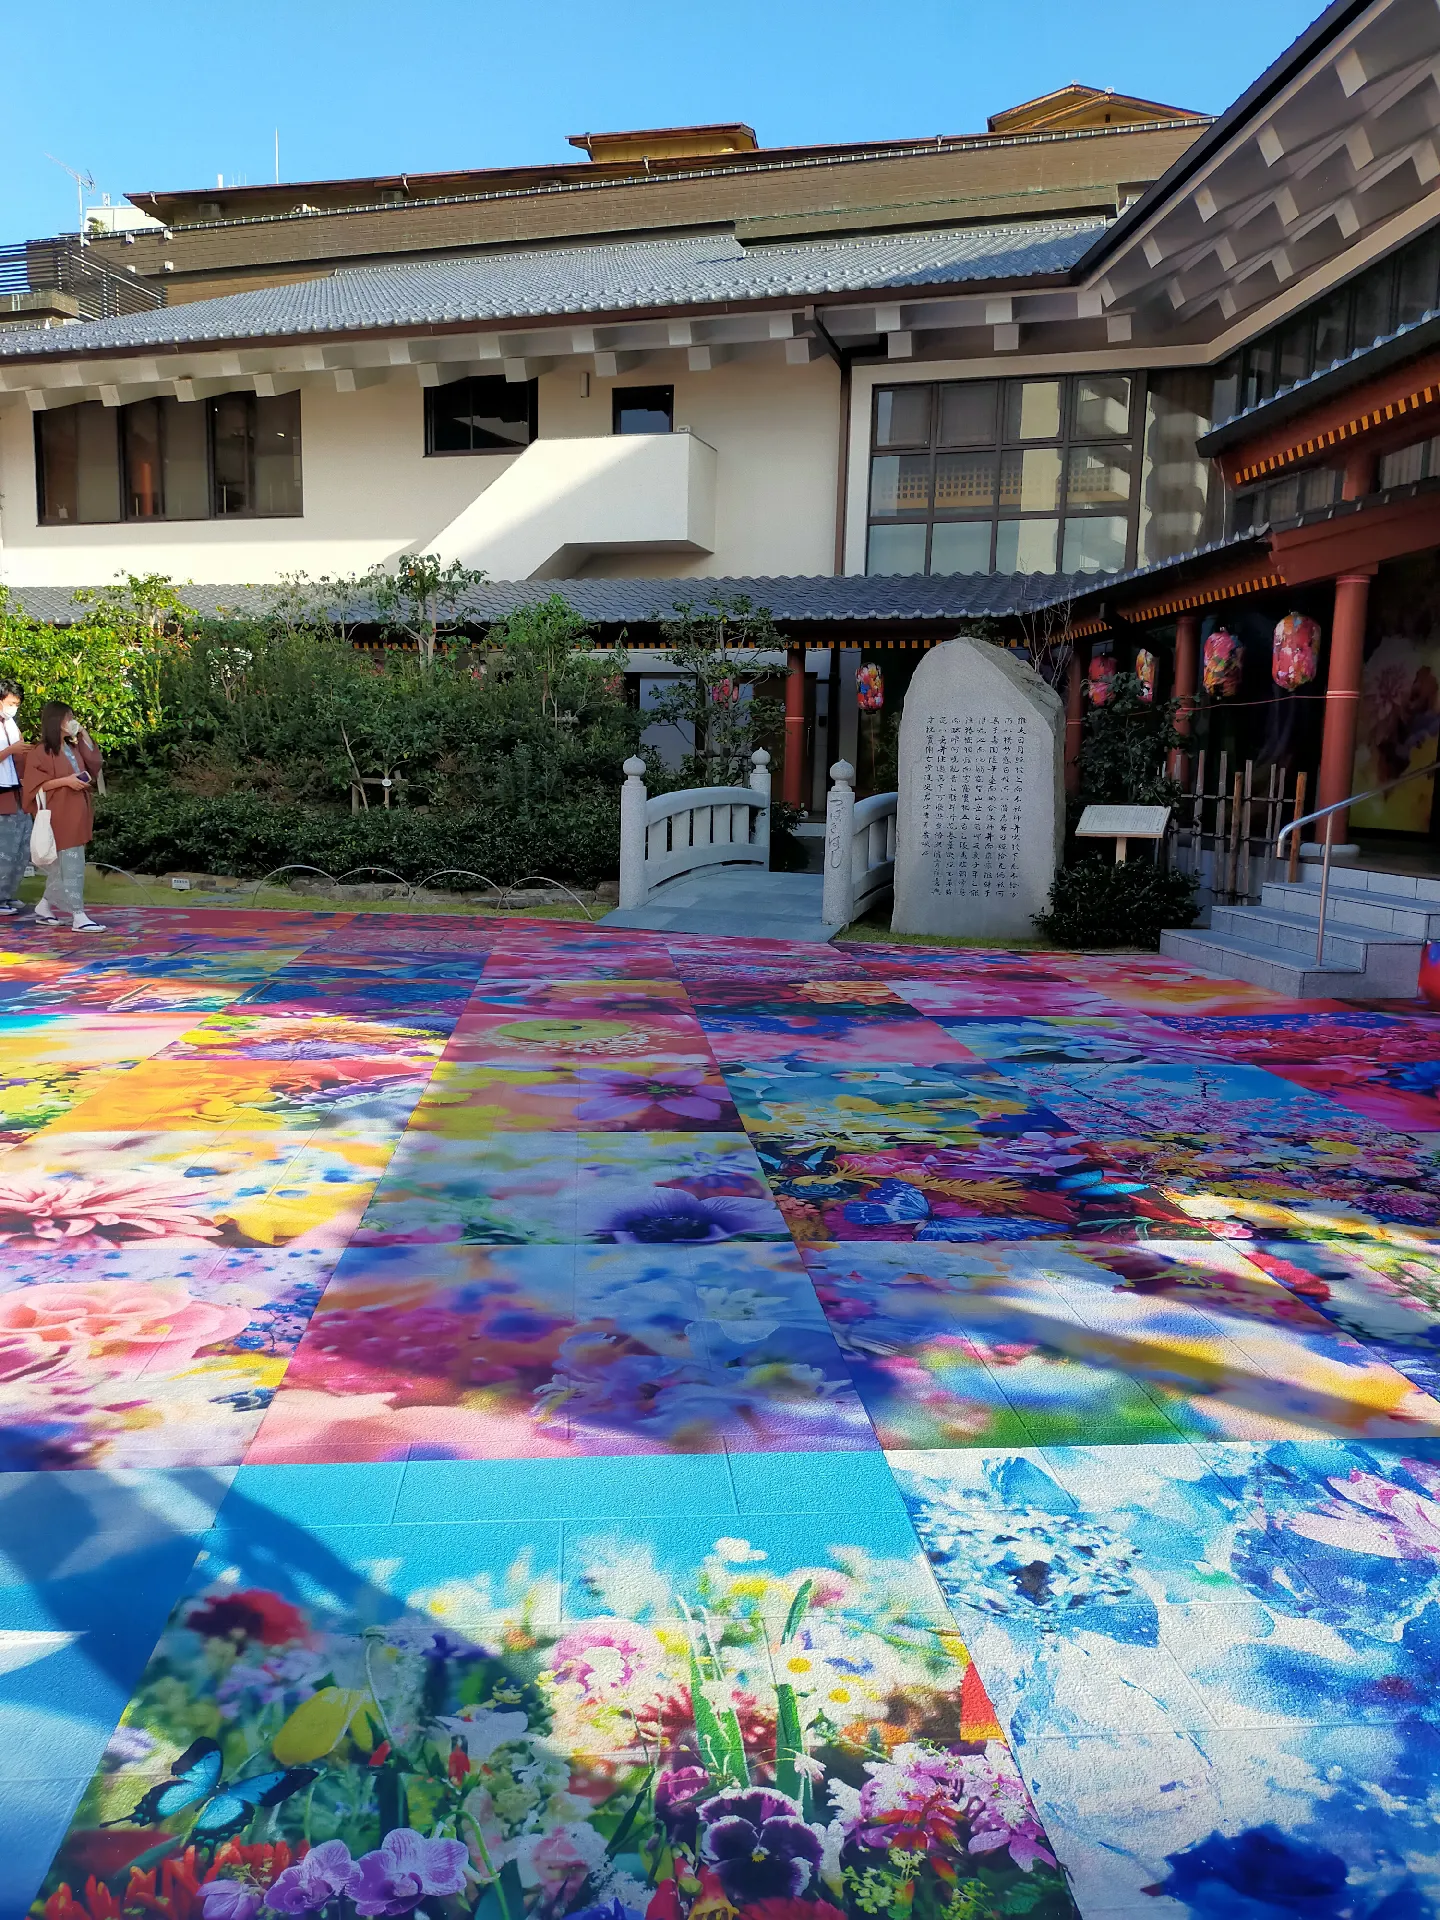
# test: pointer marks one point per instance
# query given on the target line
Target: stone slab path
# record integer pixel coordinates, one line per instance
(507, 1420)
(733, 902)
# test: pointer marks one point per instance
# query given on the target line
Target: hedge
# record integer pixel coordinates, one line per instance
(154, 830)
(1110, 903)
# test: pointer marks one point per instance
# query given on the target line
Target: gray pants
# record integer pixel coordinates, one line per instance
(65, 884)
(14, 852)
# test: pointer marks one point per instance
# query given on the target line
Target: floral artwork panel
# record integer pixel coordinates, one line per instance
(467, 1100)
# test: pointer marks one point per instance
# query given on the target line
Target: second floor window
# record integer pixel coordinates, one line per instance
(486, 414)
(236, 456)
(643, 410)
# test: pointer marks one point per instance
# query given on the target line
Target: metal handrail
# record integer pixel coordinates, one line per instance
(1327, 814)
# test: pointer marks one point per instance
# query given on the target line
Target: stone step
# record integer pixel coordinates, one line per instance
(1423, 887)
(1295, 933)
(1263, 966)
(1397, 913)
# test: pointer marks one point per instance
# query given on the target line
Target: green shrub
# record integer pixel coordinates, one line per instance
(155, 830)
(1108, 903)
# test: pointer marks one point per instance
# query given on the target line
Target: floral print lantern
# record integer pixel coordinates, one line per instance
(1224, 658)
(1145, 673)
(870, 688)
(1295, 655)
(1102, 676)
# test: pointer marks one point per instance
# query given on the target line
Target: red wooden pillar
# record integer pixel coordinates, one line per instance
(1342, 699)
(793, 785)
(1187, 662)
(1075, 714)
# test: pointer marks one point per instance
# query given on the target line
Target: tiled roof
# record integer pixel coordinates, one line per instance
(880, 598)
(701, 270)
(1386, 350)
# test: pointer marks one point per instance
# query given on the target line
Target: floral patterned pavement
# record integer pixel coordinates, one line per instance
(526, 1422)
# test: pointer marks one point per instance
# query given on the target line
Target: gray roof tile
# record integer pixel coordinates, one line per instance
(701, 270)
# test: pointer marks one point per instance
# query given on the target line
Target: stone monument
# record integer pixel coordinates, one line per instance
(982, 802)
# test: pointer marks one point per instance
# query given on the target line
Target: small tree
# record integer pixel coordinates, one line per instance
(1123, 749)
(421, 598)
(108, 665)
(717, 646)
(549, 649)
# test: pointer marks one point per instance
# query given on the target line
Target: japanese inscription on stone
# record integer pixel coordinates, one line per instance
(970, 803)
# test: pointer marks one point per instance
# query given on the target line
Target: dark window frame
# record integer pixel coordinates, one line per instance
(620, 395)
(127, 519)
(531, 389)
(1068, 438)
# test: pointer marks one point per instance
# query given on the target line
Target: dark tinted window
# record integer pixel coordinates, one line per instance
(255, 453)
(78, 460)
(488, 414)
(643, 409)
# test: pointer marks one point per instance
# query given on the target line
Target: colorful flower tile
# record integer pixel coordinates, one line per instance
(467, 1100)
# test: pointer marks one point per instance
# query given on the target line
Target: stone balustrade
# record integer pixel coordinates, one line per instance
(859, 848)
(666, 835)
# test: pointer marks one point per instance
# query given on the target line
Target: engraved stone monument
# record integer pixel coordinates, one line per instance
(982, 805)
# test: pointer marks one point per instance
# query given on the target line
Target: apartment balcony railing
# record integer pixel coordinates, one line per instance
(87, 289)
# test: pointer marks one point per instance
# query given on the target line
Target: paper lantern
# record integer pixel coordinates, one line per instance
(1430, 972)
(1224, 658)
(1102, 675)
(1145, 673)
(870, 688)
(1295, 654)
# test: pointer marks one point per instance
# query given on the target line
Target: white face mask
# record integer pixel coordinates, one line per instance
(9, 711)
(72, 727)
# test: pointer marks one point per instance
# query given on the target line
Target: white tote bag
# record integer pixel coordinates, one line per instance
(43, 850)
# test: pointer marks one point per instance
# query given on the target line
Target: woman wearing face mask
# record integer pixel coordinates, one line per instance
(65, 767)
(14, 821)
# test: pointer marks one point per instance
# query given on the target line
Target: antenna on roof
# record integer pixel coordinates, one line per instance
(82, 181)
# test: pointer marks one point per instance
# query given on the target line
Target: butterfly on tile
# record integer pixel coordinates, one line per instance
(895, 1203)
(806, 1176)
(225, 1807)
(1095, 1184)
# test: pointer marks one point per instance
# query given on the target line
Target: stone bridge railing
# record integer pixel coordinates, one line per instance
(669, 834)
(859, 848)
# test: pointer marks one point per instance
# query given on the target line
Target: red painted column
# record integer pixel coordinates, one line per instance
(1187, 665)
(1342, 698)
(1075, 714)
(793, 786)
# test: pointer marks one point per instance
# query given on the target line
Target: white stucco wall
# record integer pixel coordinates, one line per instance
(370, 493)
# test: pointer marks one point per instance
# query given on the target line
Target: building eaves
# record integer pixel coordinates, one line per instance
(1386, 351)
(798, 600)
(539, 285)
(1087, 593)
(1332, 22)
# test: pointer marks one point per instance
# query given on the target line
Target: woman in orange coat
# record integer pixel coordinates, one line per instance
(64, 767)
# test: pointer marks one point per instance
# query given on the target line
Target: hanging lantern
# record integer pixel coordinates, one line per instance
(1102, 677)
(1295, 654)
(870, 688)
(1224, 658)
(1145, 674)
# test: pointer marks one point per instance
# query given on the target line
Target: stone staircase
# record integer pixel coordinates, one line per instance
(1376, 925)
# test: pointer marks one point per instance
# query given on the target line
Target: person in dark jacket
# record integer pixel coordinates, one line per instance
(14, 821)
(64, 767)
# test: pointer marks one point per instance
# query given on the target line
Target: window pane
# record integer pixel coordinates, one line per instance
(902, 417)
(277, 454)
(1032, 410)
(98, 453)
(1259, 372)
(1372, 304)
(1294, 355)
(967, 414)
(1225, 396)
(1102, 406)
(1095, 543)
(1025, 546)
(1419, 272)
(140, 431)
(900, 483)
(187, 483)
(448, 417)
(1178, 490)
(1320, 487)
(230, 426)
(964, 482)
(960, 546)
(642, 409)
(58, 452)
(486, 414)
(1031, 480)
(1332, 329)
(899, 549)
(1099, 476)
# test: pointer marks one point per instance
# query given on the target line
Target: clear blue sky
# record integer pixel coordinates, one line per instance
(170, 93)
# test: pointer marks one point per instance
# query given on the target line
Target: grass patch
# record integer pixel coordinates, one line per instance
(120, 890)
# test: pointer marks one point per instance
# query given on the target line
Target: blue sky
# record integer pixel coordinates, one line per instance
(171, 94)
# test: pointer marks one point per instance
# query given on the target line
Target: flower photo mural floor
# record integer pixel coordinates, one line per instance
(516, 1421)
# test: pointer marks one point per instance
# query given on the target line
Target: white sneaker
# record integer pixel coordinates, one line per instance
(82, 923)
(44, 911)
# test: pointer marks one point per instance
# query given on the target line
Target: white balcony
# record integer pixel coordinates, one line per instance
(564, 500)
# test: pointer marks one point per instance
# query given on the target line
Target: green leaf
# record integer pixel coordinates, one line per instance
(721, 1748)
(627, 1825)
(797, 1608)
(789, 1742)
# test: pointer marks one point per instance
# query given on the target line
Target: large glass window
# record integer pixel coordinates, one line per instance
(487, 414)
(167, 459)
(1004, 476)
